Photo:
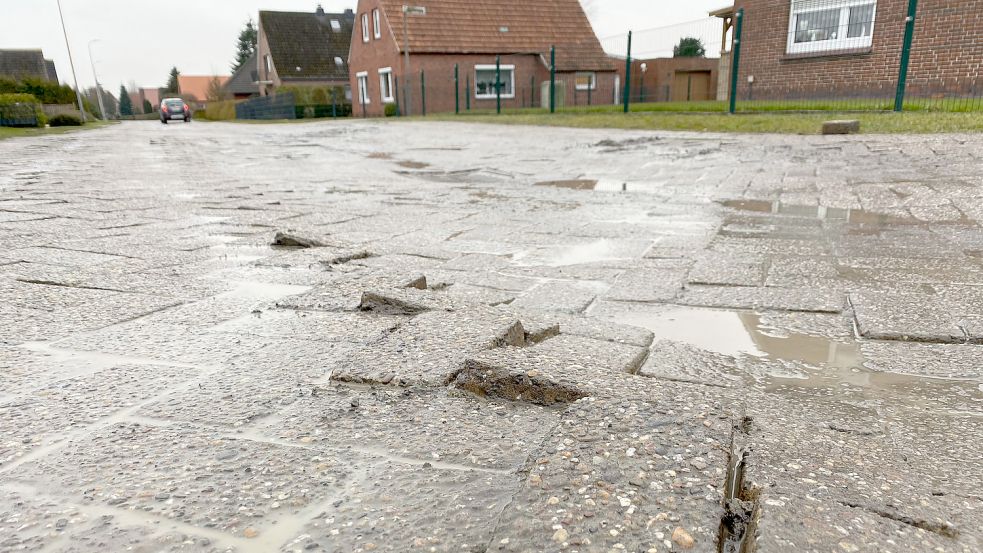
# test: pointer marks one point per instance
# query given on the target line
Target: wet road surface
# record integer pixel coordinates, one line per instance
(496, 339)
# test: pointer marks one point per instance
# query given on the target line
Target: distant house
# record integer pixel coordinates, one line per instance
(801, 49)
(303, 49)
(471, 35)
(244, 82)
(21, 64)
(195, 88)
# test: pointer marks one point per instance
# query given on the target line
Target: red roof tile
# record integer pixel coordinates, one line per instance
(502, 27)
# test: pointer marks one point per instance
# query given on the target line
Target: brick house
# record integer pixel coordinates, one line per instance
(303, 49)
(808, 49)
(471, 35)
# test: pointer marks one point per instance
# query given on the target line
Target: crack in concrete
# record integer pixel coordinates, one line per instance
(741, 507)
(69, 285)
(941, 528)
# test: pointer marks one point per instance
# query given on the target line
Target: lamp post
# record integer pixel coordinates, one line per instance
(645, 68)
(78, 93)
(408, 10)
(102, 107)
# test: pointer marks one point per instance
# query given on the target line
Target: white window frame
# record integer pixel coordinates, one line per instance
(386, 76)
(376, 23)
(493, 95)
(845, 43)
(268, 62)
(593, 80)
(362, 79)
(365, 27)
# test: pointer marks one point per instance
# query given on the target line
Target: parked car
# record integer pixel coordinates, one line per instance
(174, 109)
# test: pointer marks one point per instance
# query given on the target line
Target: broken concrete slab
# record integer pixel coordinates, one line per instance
(430, 348)
(626, 474)
(559, 370)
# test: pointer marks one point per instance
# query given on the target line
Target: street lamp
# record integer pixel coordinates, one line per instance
(408, 10)
(78, 93)
(102, 107)
(645, 67)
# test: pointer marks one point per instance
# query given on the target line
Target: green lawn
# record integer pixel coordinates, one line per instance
(10, 132)
(763, 122)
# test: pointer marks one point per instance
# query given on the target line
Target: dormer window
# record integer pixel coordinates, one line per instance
(335, 25)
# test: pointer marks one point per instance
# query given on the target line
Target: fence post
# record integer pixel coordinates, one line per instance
(467, 97)
(457, 91)
(498, 84)
(909, 35)
(735, 62)
(590, 86)
(334, 105)
(628, 75)
(423, 93)
(552, 79)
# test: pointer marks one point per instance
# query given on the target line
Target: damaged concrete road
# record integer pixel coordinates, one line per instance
(366, 336)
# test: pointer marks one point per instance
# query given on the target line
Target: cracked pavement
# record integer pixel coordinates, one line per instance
(488, 339)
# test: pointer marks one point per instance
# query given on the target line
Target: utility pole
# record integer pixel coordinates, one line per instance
(407, 11)
(78, 93)
(406, 61)
(102, 107)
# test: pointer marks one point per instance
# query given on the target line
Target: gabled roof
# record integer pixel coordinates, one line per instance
(502, 27)
(304, 45)
(244, 81)
(197, 85)
(23, 63)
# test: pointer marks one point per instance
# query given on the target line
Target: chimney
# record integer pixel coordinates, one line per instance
(320, 11)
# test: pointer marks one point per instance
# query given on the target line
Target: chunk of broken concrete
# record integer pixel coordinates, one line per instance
(288, 240)
(846, 126)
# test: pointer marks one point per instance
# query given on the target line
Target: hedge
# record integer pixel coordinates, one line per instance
(21, 110)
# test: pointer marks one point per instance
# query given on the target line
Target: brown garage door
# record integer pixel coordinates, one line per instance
(691, 86)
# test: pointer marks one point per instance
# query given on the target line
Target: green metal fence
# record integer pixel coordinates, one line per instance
(772, 56)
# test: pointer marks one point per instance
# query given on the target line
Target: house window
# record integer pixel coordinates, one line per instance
(484, 81)
(386, 85)
(586, 81)
(338, 61)
(376, 25)
(365, 27)
(363, 87)
(335, 25)
(268, 61)
(817, 26)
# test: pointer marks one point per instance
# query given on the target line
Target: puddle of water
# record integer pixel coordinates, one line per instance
(413, 164)
(380, 155)
(264, 290)
(736, 333)
(853, 216)
(592, 252)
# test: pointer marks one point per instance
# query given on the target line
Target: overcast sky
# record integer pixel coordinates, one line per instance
(139, 40)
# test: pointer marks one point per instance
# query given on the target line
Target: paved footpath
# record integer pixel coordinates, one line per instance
(371, 336)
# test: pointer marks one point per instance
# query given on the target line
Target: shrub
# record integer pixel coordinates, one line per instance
(391, 110)
(20, 110)
(65, 120)
(218, 111)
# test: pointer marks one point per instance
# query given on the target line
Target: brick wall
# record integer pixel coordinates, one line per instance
(530, 72)
(655, 84)
(946, 54)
